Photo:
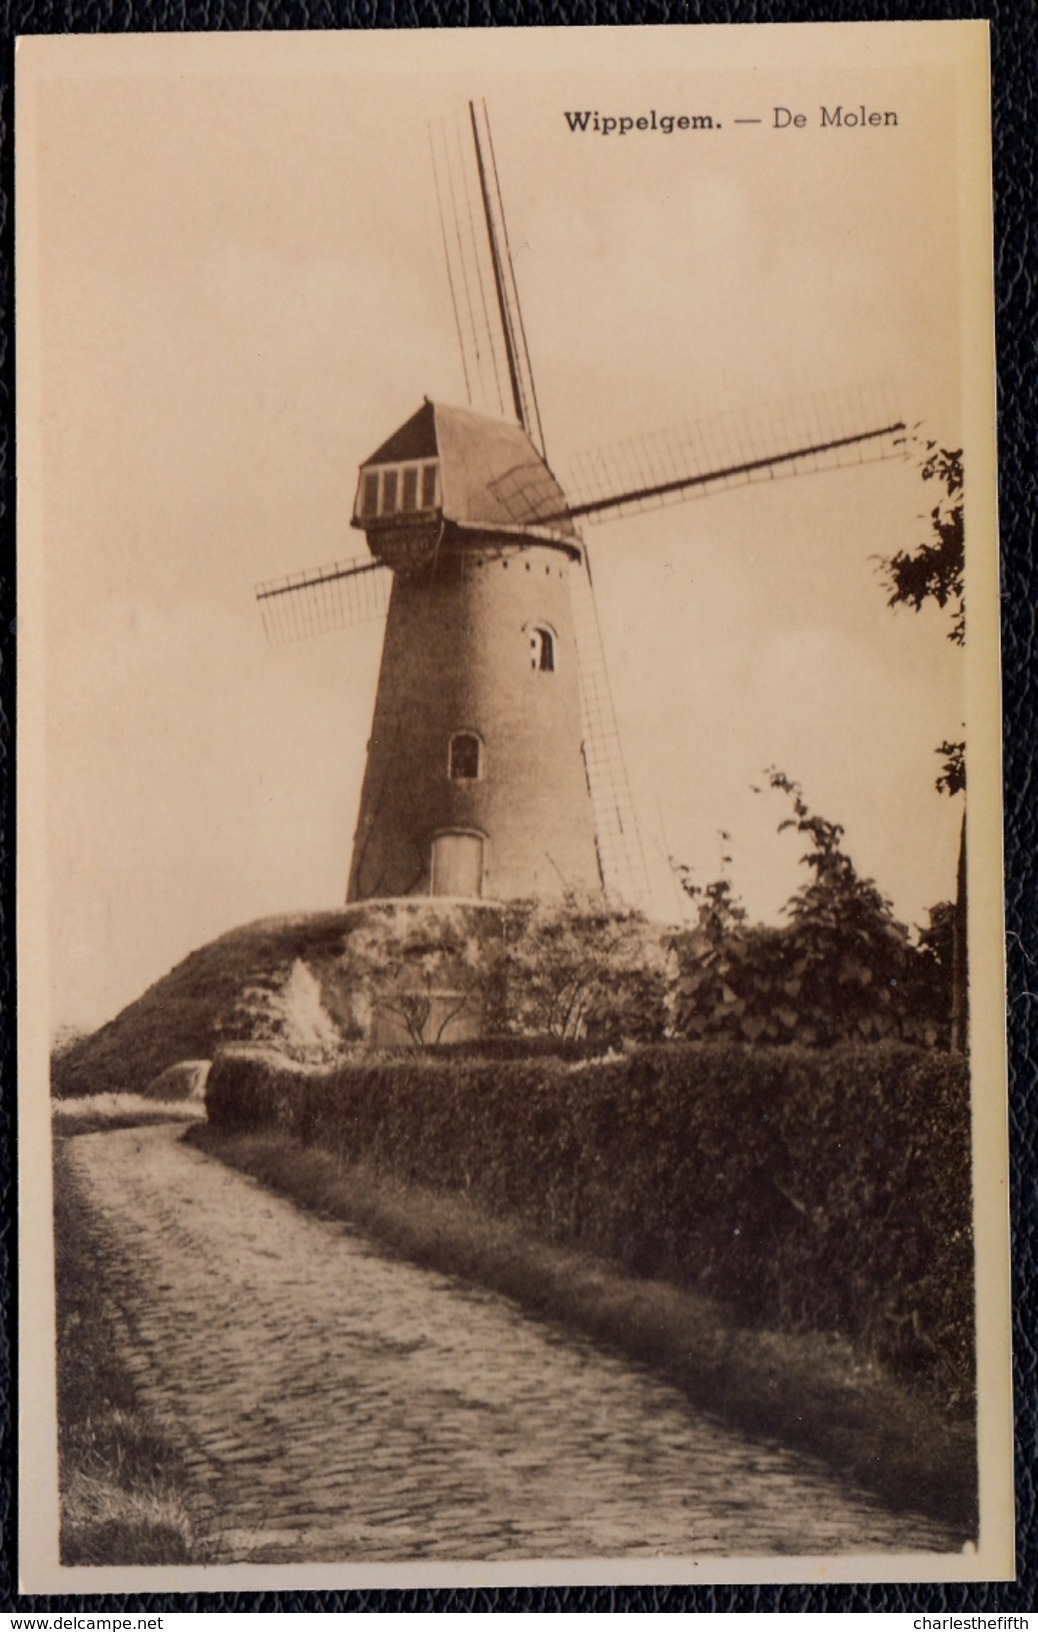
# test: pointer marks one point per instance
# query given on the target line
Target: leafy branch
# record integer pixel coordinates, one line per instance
(936, 569)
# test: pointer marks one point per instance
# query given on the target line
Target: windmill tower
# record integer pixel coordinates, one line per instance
(476, 782)
(494, 765)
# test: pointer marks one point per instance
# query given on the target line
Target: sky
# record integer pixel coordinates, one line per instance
(232, 289)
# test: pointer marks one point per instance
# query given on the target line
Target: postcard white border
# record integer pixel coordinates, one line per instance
(962, 45)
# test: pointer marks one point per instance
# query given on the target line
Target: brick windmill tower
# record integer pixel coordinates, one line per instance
(494, 765)
(476, 782)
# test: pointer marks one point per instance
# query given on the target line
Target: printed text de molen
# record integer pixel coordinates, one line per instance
(591, 122)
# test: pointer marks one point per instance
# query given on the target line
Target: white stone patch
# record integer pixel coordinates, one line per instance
(293, 1017)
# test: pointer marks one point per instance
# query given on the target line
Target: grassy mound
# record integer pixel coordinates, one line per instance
(215, 996)
(295, 982)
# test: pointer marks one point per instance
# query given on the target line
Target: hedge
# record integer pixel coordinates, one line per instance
(507, 1046)
(824, 1190)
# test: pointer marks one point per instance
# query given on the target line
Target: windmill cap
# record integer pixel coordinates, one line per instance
(490, 473)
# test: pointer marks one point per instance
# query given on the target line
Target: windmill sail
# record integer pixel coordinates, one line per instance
(484, 296)
(829, 431)
(824, 432)
(337, 596)
(620, 855)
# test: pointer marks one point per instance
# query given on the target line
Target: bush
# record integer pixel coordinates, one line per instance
(842, 970)
(255, 1088)
(807, 1189)
(806, 985)
(581, 967)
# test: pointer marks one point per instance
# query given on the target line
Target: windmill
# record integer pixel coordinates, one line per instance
(494, 766)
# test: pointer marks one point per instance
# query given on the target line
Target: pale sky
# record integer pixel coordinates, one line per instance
(240, 293)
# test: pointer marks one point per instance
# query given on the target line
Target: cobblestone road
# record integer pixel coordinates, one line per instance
(336, 1404)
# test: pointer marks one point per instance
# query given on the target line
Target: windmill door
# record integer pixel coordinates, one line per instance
(457, 864)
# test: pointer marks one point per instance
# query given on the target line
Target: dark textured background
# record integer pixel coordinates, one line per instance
(1015, 70)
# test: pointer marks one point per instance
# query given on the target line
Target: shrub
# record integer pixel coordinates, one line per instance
(255, 1087)
(808, 1189)
(581, 967)
(842, 970)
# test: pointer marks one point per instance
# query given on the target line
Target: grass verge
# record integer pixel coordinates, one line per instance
(95, 1113)
(124, 1490)
(810, 1392)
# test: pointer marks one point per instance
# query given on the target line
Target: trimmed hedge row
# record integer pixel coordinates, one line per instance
(823, 1190)
(508, 1047)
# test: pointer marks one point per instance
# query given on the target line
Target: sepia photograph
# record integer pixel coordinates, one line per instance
(512, 1079)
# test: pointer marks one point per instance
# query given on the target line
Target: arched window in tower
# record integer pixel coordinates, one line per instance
(465, 760)
(542, 650)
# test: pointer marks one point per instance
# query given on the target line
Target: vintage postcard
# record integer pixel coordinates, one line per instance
(512, 1064)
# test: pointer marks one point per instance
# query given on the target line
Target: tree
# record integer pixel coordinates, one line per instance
(952, 779)
(842, 969)
(937, 945)
(857, 963)
(935, 571)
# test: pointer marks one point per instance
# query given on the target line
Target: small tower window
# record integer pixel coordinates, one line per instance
(397, 490)
(465, 756)
(542, 650)
(369, 500)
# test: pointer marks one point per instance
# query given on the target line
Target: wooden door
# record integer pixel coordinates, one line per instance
(457, 864)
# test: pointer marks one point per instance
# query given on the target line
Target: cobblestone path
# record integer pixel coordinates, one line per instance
(338, 1405)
